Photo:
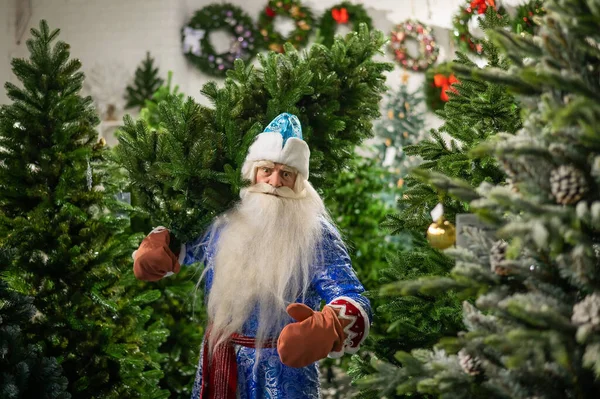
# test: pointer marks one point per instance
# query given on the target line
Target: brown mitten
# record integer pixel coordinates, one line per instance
(153, 259)
(312, 338)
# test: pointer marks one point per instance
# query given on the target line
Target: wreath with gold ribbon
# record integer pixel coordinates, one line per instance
(462, 36)
(303, 21)
(428, 49)
(195, 37)
(342, 14)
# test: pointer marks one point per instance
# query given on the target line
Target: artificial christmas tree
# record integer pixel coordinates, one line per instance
(24, 371)
(402, 123)
(533, 328)
(179, 308)
(145, 84)
(358, 219)
(478, 110)
(58, 221)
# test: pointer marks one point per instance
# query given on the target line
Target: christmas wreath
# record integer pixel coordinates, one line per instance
(463, 37)
(195, 38)
(428, 50)
(438, 80)
(341, 14)
(524, 21)
(303, 21)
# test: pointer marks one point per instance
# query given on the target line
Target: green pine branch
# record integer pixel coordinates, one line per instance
(531, 329)
(59, 220)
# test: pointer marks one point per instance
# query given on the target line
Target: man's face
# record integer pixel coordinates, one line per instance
(276, 175)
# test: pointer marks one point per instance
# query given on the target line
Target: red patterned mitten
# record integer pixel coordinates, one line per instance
(339, 328)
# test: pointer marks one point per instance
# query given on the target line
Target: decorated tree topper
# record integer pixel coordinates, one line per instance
(196, 43)
(428, 50)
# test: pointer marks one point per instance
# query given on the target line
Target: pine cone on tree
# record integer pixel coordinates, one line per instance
(470, 364)
(587, 311)
(568, 184)
(497, 256)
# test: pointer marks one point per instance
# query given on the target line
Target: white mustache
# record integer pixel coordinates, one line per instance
(265, 188)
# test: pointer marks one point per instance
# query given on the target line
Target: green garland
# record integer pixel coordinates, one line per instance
(524, 21)
(195, 38)
(294, 9)
(433, 93)
(343, 13)
(463, 38)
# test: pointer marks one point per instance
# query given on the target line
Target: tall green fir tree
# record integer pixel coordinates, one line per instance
(59, 220)
(358, 219)
(478, 110)
(533, 330)
(24, 371)
(146, 82)
(179, 307)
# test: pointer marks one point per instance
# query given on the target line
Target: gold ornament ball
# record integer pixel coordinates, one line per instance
(390, 114)
(400, 183)
(388, 142)
(441, 234)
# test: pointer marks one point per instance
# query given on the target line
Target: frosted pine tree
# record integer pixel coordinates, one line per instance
(534, 329)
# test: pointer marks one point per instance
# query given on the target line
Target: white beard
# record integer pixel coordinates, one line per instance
(263, 259)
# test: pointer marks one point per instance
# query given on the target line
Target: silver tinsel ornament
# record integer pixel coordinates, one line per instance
(470, 364)
(568, 184)
(497, 256)
(587, 311)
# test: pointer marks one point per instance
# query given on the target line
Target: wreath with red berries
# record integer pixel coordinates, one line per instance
(463, 37)
(342, 14)
(303, 20)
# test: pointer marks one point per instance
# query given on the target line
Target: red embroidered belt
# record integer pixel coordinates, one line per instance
(219, 371)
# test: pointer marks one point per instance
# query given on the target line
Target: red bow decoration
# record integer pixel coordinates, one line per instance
(270, 12)
(482, 5)
(440, 80)
(340, 15)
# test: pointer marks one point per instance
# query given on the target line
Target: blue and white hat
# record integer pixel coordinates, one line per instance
(281, 142)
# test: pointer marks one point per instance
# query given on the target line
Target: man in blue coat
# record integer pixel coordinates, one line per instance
(269, 262)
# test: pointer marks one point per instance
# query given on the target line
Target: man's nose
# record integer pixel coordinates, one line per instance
(275, 180)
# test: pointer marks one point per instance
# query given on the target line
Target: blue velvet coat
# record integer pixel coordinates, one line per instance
(332, 279)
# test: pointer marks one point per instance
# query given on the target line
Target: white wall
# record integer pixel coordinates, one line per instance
(111, 37)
